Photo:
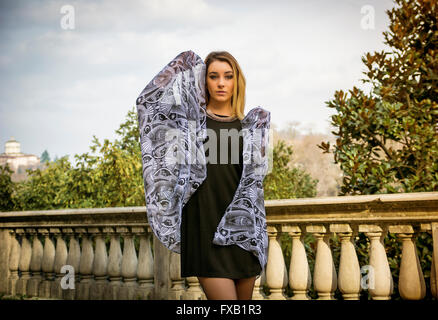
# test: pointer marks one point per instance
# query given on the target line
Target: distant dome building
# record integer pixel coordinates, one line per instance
(12, 147)
(18, 161)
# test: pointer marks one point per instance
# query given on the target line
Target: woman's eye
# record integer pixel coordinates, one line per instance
(228, 77)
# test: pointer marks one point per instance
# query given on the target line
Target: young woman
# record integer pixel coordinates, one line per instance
(224, 272)
(213, 212)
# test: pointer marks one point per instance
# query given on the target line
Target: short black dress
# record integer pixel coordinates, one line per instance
(204, 210)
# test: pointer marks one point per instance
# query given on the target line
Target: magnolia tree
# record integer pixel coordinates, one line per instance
(387, 140)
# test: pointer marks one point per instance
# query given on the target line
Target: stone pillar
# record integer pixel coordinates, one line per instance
(85, 266)
(100, 266)
(434, 271)
(433, 279)
(14, 259)
(35, 265)
(5, 249)
(324, 273)
(129, 266)
(382, 284)
(60, 261)
(161, 270)
(194, 290)
(114, 265)
(73, 259)
(411, 284)
(276, 272)
(23, 265)
(178, 287)
(48, 264)
(349, 269)
(300, 278)
(145, 267)
(258, 293)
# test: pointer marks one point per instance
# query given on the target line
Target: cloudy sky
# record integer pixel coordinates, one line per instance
(61, 86)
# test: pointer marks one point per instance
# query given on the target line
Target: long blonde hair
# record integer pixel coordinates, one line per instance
(238, 98)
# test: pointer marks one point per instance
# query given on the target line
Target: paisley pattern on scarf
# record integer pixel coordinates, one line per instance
(172, 123)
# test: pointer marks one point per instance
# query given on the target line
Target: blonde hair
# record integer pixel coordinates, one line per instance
(238, 98)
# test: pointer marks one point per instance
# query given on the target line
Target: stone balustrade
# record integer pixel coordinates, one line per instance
(111, 253)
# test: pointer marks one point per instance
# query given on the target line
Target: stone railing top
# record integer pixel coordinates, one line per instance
(90, 217)
(393, 208)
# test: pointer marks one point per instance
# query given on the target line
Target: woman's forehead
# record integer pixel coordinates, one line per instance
(219, 67)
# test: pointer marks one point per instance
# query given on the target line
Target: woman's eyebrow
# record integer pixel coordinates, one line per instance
(211, 72)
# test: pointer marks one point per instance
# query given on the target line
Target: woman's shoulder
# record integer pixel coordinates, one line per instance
(258, 117)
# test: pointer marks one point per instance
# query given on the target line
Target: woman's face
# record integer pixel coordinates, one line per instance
(220, 81)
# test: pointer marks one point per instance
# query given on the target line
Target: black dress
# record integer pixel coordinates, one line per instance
(204, 210)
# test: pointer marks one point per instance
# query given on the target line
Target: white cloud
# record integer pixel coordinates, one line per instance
(61, 87)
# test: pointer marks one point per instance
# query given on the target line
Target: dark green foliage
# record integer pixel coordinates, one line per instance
(6, 188)
(111, 177)
(285, 182)
(45, 157)
(387, 139)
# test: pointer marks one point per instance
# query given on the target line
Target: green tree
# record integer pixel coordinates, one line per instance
(287, 182)
(387, 139)
(110, 177)
(6, 188)
(45, 157)
(284, 182)
(41, 191)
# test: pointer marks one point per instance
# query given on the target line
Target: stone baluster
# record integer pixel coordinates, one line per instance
(100, 266)
(349, 269)
(85, 266)
(300, 278)
(411, 284)
(73, 259)
(194, 290)
(48, 264)
(276, 272)
(380, 281)
(177, 283)
(129, 266)
(14, 259)
(258, 293)
(145, 269)
(114, 265)
(60, 261)
(434, 271)
(324, 273)
(35, 264)
(24, 263)
(433, 280)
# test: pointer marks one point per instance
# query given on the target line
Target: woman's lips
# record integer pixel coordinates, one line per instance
(220, 92)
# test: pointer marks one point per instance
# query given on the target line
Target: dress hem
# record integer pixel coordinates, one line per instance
(216, 275)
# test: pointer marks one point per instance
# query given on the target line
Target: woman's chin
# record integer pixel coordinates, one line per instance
(221, 98)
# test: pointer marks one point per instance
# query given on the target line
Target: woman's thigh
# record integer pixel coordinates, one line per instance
(245, 288)
(218, 288)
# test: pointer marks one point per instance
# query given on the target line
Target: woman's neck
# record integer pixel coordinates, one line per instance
(220, 108)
